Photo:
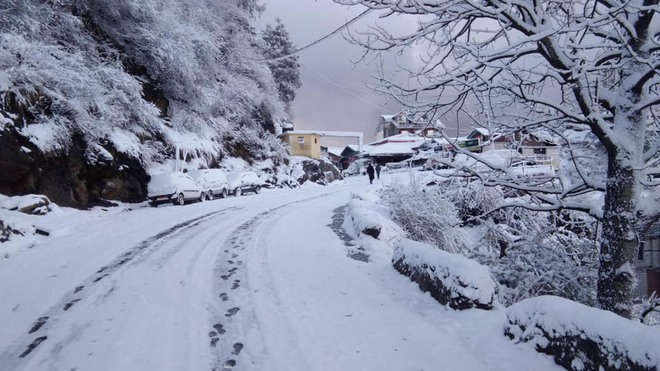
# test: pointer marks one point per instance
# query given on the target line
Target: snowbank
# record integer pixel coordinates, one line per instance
(16, 234)
(370, 224)
(451, 279)
(367, 216)
(29, 204)
(583, 338)
(17, 222)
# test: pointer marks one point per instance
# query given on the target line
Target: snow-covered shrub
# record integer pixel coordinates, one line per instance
(451, 279)
(425, 214)
(581, 337)
(532, 253)
(471, 199)
(529, 253)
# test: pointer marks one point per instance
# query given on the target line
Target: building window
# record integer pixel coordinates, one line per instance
(315, 141)
(301, 140)
(539, 151)
(640, 253)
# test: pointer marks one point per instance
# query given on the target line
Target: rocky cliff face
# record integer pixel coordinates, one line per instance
(68, 177)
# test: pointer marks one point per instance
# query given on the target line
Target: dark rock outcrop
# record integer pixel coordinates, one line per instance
(69, 177)
(372, 231)
(319, 171)
(6, 232)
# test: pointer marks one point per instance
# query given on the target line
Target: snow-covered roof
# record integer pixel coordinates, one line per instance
(404, 143)
(336, 150)
(302, 132)
(482, 131)
(413, 120)
(391, 149)
(403, 137)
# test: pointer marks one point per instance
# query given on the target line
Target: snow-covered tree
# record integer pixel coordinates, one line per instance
(159, 69)
(286, 70)
(564, 66)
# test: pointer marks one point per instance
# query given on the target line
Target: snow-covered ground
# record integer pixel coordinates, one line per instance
(259, 282)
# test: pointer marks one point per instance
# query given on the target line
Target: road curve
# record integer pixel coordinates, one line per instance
(153, 306)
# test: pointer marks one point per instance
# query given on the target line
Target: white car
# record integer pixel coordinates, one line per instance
(240, 182)
(212, 181)
(356, 167)
(177, 188)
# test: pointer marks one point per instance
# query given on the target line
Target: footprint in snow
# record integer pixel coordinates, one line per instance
(232, 311)
(237, 348)
(219, 328)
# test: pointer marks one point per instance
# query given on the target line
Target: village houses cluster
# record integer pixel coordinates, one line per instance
(406, 139)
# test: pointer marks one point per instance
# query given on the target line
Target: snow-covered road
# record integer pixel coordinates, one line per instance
(251, 283)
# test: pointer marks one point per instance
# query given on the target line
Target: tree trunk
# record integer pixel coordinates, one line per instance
(620, 237)
(619, 240)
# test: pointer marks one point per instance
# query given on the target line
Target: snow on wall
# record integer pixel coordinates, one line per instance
(363, 213)
(581, 337)
(452, 279)
(367, 215)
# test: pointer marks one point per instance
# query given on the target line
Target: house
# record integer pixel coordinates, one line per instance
(525, 143)
(407, 122)
(479, 133)
(333, 154)
(303, 143)
(349, 154)
(394, 148)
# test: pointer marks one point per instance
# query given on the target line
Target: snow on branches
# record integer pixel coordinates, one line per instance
(559, 66)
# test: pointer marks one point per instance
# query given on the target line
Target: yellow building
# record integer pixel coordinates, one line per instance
(303, 143)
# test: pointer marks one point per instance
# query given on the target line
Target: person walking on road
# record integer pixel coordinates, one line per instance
(378, 171)
(370, 172)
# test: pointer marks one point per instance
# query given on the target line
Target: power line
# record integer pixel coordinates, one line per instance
(328, 80)
(353, 20)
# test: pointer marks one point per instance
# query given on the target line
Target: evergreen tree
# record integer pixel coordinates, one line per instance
(286, 71)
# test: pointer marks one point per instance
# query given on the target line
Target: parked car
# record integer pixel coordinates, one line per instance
(240, 182)
(212, 181)
(177, 188)
(438, 160)
(358, 166)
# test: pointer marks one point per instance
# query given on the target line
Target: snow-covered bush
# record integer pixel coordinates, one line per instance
(529, 253)
(425, 214)
(471, 199)
(533, 253)
(581, 337)
(451, 279)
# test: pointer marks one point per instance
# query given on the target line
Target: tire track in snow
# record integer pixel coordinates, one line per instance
(12, 357)
(230, 272)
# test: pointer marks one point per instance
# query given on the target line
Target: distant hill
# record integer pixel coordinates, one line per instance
(95, 93)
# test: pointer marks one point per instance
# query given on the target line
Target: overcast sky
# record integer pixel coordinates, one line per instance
(333, 95)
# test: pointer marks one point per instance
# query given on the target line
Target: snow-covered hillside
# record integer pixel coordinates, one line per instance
(94, 94)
